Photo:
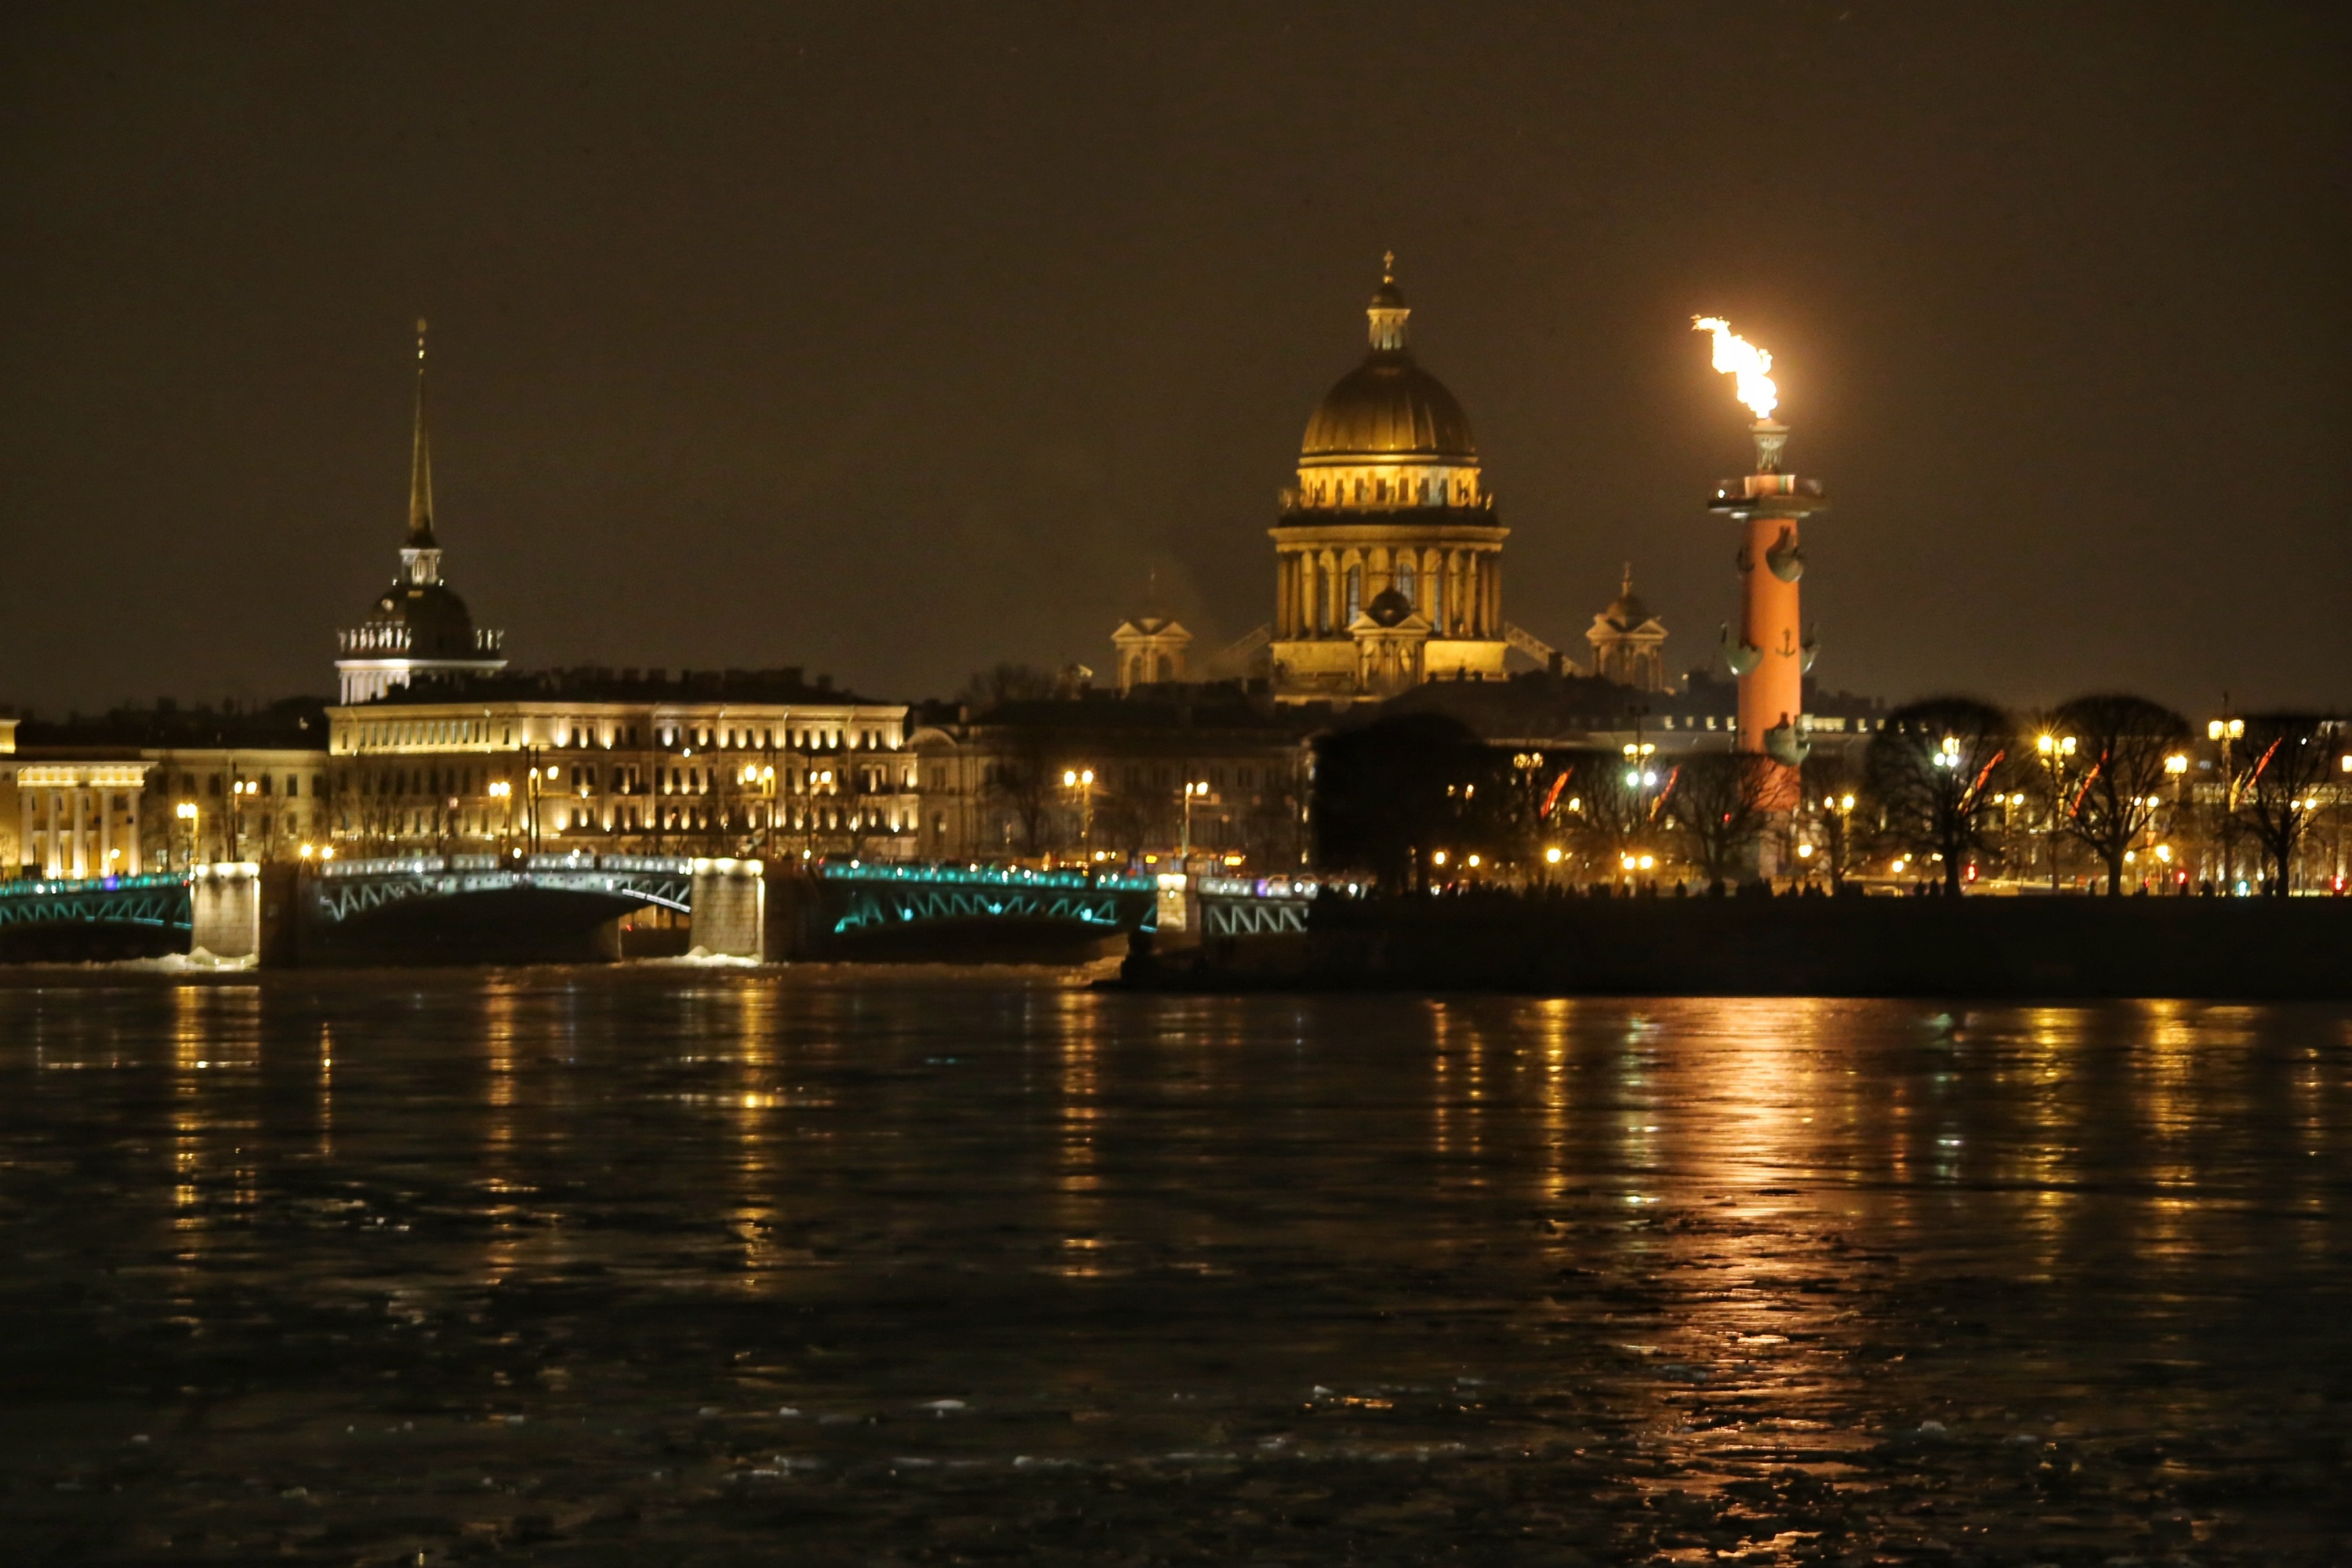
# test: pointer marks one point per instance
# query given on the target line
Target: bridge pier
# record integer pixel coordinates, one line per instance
(730, 906)
(224, 910)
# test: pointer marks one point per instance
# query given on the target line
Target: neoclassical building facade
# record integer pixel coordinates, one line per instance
(1388, 550)
(605, 761)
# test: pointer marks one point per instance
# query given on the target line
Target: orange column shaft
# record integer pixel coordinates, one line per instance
(1773, 693)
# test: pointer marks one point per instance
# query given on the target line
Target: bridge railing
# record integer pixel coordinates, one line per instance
(28, 888)
(976, 876)
(432, 865)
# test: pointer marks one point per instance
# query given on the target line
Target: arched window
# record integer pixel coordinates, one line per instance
(1404, 583)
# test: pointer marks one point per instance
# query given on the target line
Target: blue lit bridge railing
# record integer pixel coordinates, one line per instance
(862, 898)
(343, 890)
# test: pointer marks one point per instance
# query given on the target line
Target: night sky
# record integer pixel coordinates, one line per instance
(894, 341)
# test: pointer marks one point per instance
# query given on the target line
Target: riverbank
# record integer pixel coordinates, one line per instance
(1994, 948)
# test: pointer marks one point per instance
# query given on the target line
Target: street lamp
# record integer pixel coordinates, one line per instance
(2054, 749)
(2224, 733)
(239, 790)
(503, 792)
(1082, 781)
(187, 814)
(762, 780)
(1191, 792)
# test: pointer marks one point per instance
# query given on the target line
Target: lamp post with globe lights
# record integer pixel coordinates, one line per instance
(1080, 782)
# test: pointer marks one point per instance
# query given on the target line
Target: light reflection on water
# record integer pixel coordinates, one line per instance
(1659, 1278)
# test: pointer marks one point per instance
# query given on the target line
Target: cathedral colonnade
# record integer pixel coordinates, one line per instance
(1458, 589)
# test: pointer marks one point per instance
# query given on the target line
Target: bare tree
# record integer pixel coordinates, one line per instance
(1609, 811)
(2275, 795)
(1023, 779)
(1832, 789)
(1930, 772)
(2105, 790)
(1719, 804)
(1270, 821)
(1002, 683)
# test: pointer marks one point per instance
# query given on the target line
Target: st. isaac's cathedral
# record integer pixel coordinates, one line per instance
(1387, 551)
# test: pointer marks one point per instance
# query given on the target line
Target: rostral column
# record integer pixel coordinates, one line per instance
(1771, 653)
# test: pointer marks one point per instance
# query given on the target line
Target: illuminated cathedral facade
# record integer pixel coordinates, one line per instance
(1388, 550)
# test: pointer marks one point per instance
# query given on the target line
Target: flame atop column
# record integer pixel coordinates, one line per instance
(1736, 357)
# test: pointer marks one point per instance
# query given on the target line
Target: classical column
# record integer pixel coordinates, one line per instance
(105, 831)
(23, 829)
(52, 862)
(80, 844)
(131, 859)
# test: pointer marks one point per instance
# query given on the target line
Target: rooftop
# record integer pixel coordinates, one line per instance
(596, 683)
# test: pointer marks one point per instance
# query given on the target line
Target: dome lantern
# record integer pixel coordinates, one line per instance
(1388, 310)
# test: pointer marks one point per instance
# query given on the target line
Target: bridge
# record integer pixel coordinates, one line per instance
(343, 890)
(548, 908)
(977, 910)
(560, 907)
(1264, 906)
(99, 915)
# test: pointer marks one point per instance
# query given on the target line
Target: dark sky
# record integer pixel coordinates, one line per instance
(897, 341)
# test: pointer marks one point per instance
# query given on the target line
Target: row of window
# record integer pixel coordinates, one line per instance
(425, 822)
(289, 784)
(583, 734)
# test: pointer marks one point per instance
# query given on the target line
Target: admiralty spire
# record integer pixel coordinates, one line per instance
(419, 626)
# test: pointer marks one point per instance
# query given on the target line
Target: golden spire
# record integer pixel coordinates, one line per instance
(420, 463)
(1388, 265)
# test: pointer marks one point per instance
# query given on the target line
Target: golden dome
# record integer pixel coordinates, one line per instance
(1388, 406)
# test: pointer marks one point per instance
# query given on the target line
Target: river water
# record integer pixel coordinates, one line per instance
(692, 1267)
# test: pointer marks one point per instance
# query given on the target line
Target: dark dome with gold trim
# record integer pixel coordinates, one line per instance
(436, 620)
(1389, 407)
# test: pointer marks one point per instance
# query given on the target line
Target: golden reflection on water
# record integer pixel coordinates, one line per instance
(2043, 1161)
(500, 1030)
(1077, 1175)
(215, 1043)
(748, 1020)
(326, 1092)
(1458, 1092)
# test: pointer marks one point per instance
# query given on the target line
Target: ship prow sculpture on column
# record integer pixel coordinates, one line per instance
(1769, 653)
